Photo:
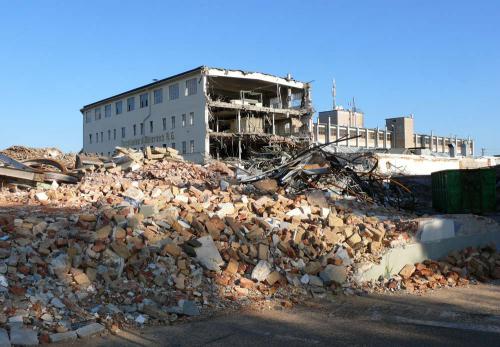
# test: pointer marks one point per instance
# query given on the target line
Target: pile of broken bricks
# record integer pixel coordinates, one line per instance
(171, 239)
(457, 269)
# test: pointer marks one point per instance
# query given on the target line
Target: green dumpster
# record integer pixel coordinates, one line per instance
(464, 191)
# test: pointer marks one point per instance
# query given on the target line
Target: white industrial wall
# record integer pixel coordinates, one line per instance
(155, 112)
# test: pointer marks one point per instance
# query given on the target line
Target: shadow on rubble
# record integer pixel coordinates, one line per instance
(344, 321)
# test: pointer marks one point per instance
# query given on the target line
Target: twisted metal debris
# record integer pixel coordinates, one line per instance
(351, 174)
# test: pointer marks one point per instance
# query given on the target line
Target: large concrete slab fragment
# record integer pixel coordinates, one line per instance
(436, 229)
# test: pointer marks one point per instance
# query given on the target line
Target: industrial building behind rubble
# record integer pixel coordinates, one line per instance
(212, 112)
(202, 112)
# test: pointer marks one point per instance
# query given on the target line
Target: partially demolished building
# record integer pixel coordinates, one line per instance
(203, 112)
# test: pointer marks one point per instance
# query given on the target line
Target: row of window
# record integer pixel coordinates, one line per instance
(141, 125)
(173, 94)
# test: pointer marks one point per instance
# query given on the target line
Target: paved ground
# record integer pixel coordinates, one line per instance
(450, 317)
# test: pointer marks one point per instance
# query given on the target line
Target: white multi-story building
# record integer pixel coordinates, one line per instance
(201, 112)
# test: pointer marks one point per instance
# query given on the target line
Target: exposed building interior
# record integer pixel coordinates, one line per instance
(248, 112)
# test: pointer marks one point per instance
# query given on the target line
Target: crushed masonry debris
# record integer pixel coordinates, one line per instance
(147, 238)
(480, 264)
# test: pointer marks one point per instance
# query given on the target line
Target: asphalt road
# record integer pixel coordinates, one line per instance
(450, 317)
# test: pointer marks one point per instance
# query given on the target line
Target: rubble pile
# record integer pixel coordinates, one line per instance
(22, 153)
(458, 269)
(126, 159)
(146, 238)
(167, 238)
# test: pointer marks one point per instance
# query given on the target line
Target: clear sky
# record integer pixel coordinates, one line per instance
(437, 59)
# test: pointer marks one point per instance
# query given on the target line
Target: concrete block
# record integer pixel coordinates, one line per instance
(60, 337)
(436, 229)
(4, 338)
(89, 330)
(23, 336)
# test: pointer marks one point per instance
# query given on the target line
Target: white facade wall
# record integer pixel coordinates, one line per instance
(159, 137)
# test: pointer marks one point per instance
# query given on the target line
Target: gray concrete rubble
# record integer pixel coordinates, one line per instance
(169, 240)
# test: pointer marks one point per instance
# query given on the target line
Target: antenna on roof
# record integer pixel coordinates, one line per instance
(334, 94)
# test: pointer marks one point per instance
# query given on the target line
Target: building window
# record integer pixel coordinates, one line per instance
(142, 128)
(144, 100)
(131, 103)
(173, 122)
(88, 117)
(164, 123)
(158, 96)
(173, 91)
(96, 137)
(173, 145)
(191, 146)
(118, 107)
(183, 120)
(150, 126)
(98, 113)
(107, 111)
(191, 118)
(191, 86)
(123, 132)
(164, 145)
(90, 138)
(109, 135)
(114, 134)
(102, 136)
(135, 129)
(183, 147)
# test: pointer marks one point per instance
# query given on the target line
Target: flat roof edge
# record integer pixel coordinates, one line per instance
(146, 86)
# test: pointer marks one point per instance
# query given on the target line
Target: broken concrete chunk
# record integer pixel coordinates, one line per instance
(89, 330)
(189, 308)
(23, 336)
(134, 194)
(4, 338)
(208, 254)
(42, 197)
(63, 337)
(261, 271)
(333, 274)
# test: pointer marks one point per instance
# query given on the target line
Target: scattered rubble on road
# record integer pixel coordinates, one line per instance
(146, 238)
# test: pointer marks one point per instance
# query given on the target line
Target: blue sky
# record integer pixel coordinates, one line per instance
(436, 59)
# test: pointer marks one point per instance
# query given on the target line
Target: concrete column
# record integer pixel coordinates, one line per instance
(376, 138)
(338, 132)
(239, 135)
(443, 145)
(431, 142)
(385, 138)
(317, 130)
(366, 137)
(357, 138)
(328, 129)
(206, 150)
(348, 134)
(274, 128)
